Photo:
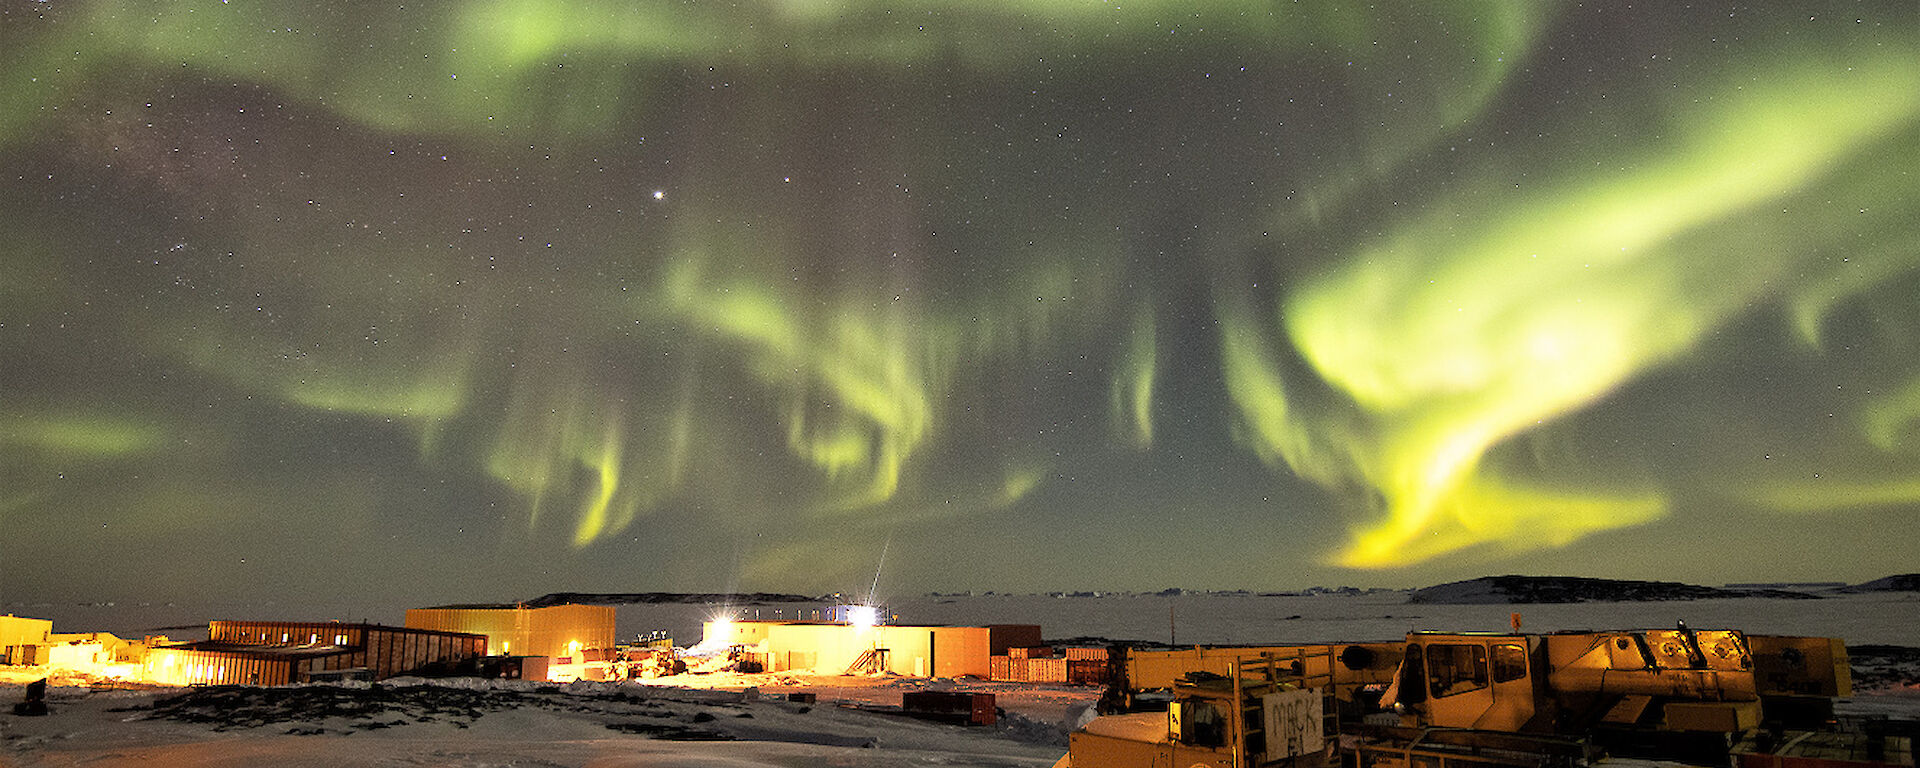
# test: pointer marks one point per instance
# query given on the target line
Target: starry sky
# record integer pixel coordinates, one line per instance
(461, 301)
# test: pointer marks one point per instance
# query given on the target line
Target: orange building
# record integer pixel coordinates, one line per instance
(513, 630)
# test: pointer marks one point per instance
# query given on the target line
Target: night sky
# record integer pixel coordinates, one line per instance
(462, 301)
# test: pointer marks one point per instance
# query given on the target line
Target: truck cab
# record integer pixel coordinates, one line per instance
(1673, 679)
(1479, 681)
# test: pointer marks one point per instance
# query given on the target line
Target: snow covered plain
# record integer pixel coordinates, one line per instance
(1891, 618)
(1888, 618)
(707, 720)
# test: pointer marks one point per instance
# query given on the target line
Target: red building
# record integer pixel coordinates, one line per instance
(281, 652)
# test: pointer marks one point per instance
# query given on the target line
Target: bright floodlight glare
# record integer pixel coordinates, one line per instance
(863, 615)
(719, 635)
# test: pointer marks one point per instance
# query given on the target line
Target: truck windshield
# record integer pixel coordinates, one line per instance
(1453, 669)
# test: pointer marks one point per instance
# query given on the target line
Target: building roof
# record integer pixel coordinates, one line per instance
(331, 625)
(284, 651)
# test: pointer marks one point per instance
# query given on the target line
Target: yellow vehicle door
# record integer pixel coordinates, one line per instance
(1459, 684)
(1512, 685)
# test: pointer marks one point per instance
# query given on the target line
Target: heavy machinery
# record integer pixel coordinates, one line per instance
(1266, 710)
(1358, 672)
(1455, 700)
(1235, 706)
(1675, 693)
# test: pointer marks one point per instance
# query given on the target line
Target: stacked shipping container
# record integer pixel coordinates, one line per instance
(1040, 664)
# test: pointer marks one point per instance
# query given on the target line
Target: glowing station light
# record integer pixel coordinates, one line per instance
(863, 615)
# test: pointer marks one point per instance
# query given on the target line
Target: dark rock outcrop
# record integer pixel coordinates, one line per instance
(622, 598)
(1574, 589)
(1884, 668)
(1906, 582)
(630, 598)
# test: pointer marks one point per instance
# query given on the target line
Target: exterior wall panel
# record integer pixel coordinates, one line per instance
(275, 653)
(548, 631)
(918, 651)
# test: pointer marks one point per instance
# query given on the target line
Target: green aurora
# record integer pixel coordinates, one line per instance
(491, 299)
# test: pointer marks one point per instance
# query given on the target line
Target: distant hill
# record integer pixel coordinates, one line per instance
(1906, 582)
(619, 598)
(1574, 589)
(629, 598)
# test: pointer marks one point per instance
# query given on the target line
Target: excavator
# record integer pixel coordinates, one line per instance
(1493, 700)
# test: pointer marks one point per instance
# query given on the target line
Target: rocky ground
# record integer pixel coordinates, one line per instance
(744, 720)
(1885, 669)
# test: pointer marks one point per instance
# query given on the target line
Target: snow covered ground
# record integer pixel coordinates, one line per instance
(712, 720)
(733, 720)
(496, 723)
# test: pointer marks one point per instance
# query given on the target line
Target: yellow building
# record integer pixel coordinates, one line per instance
(837, 648)
(21, 639)
(108, 648)
(512, 630)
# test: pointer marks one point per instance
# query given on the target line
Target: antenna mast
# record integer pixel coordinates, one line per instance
(874, 590)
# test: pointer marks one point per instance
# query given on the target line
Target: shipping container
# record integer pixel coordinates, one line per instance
(964, 707)
(1087, 672)
(1098, 653)
(1046, 670)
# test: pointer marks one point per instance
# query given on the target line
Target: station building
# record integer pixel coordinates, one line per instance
(281, 652)
(22, 639)
(561, 631)
(852, 648)
(92, 651)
